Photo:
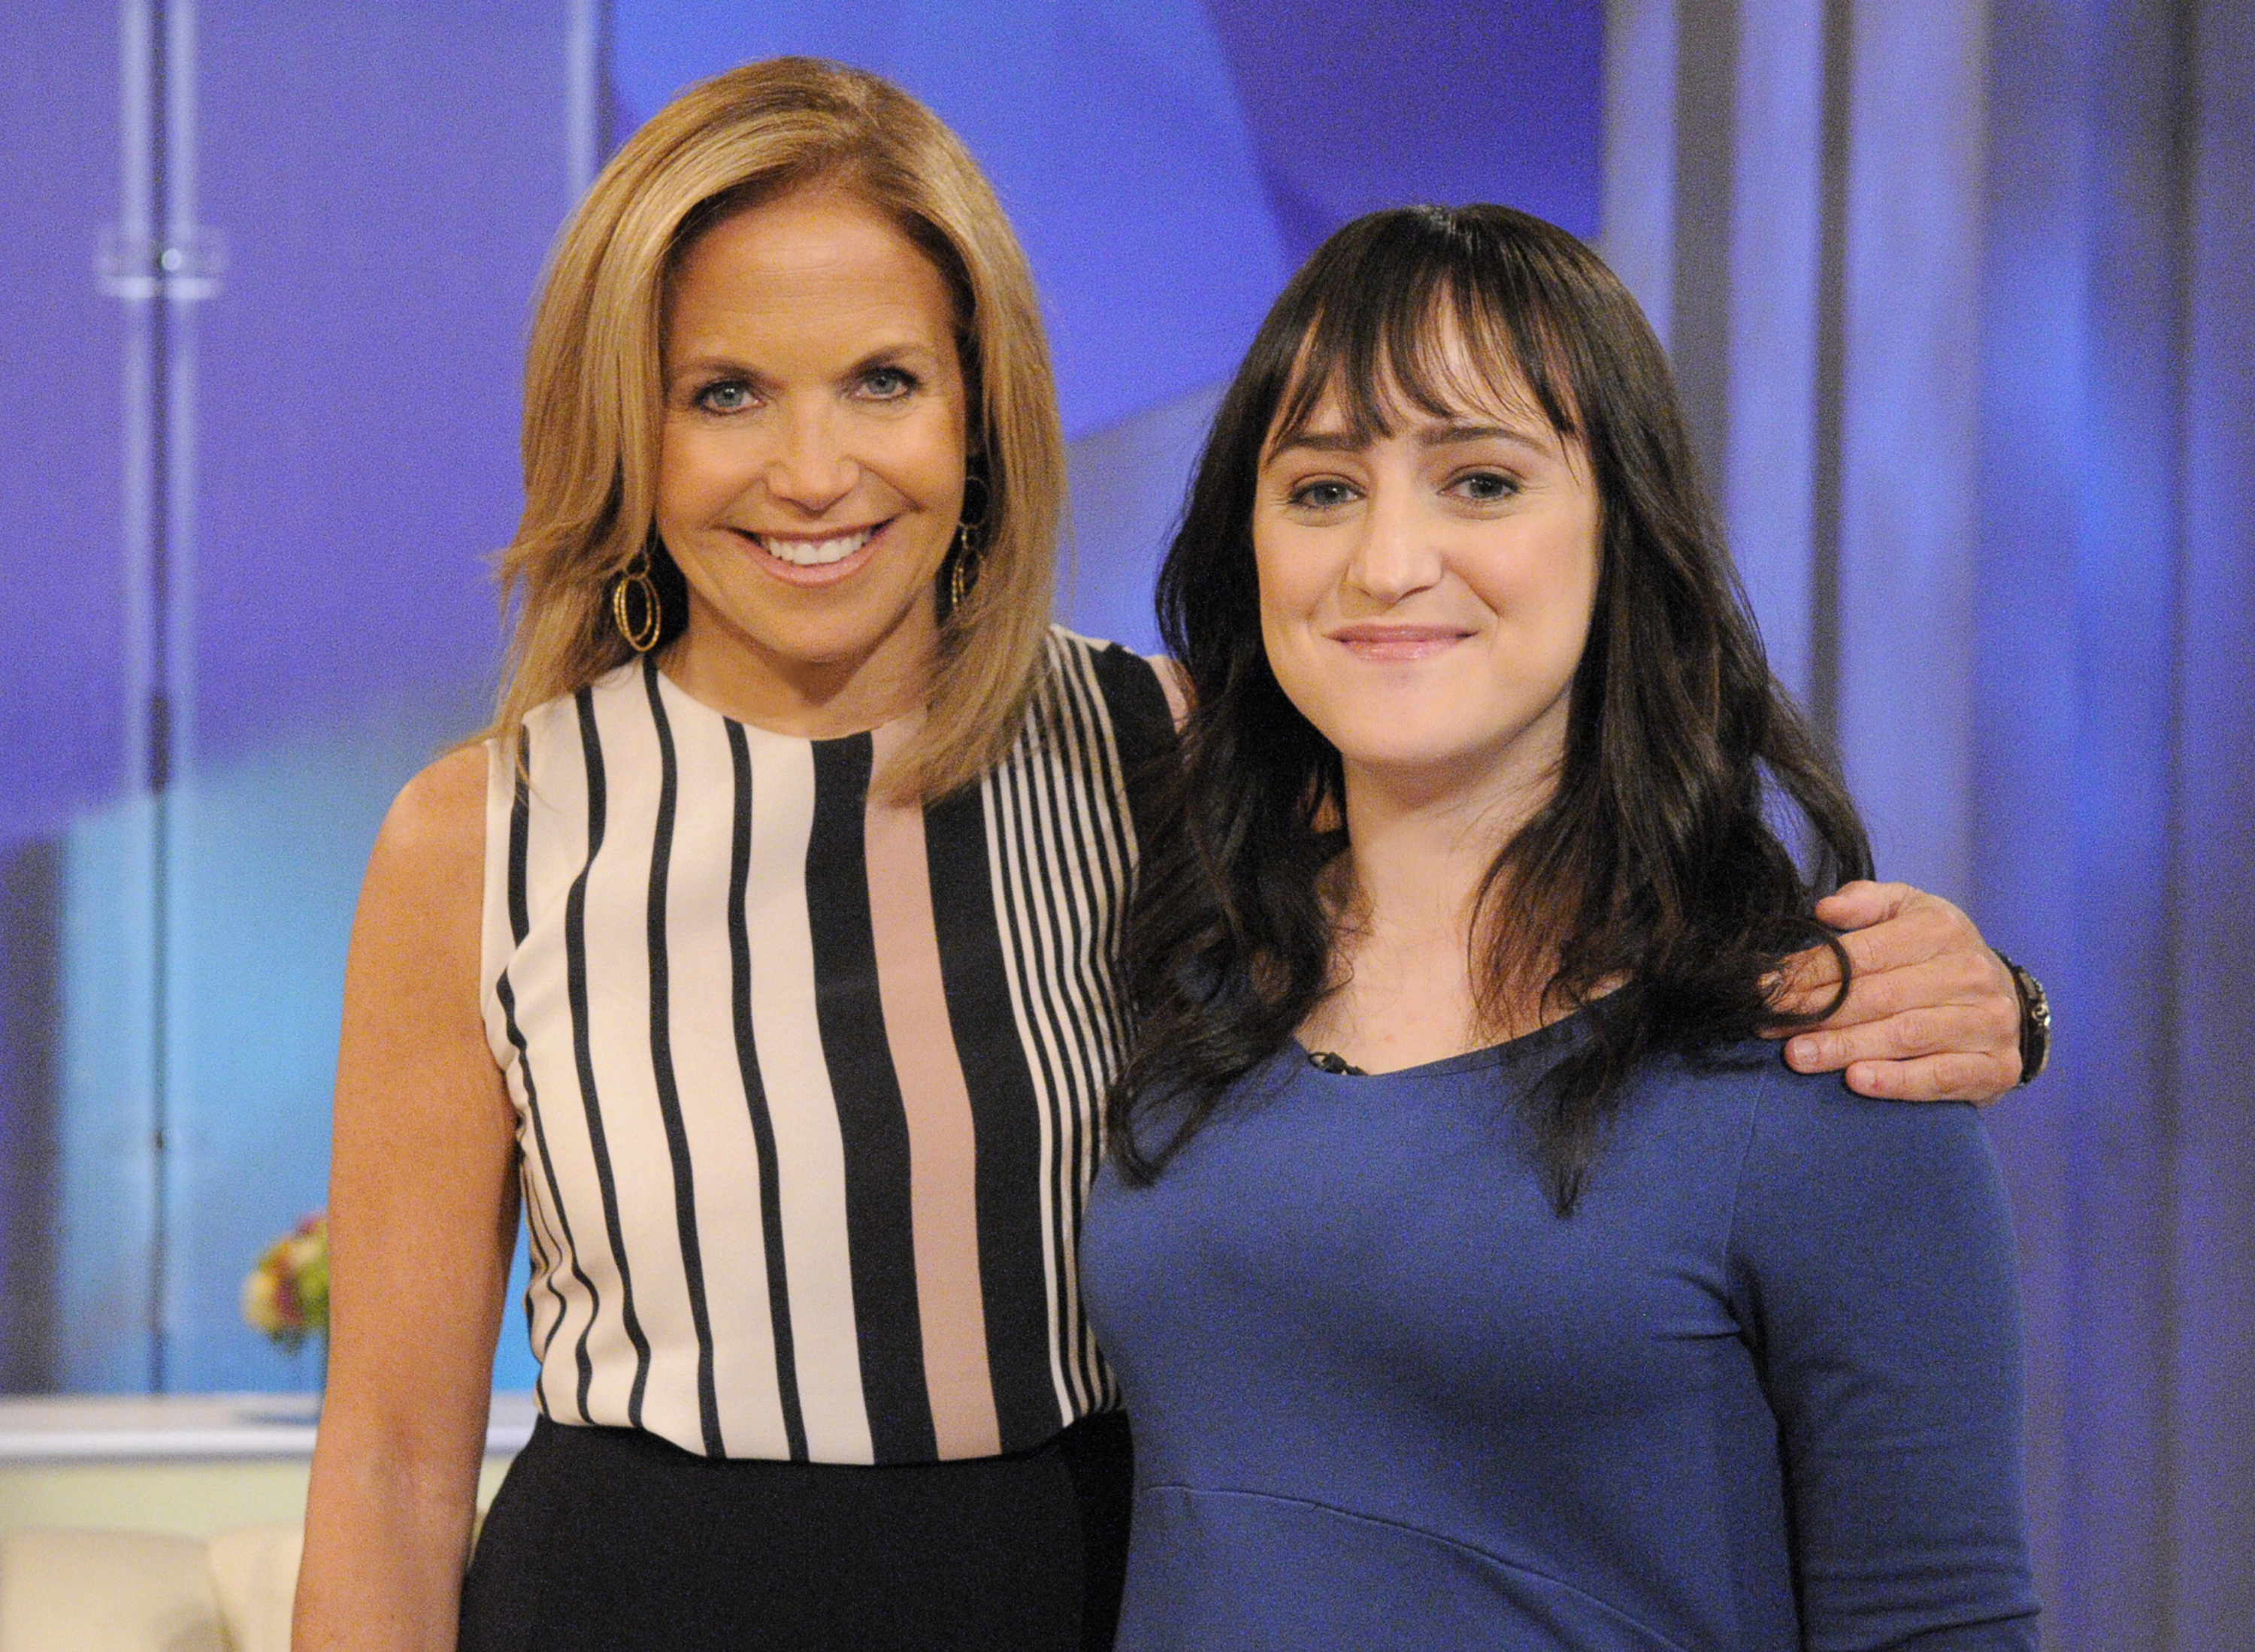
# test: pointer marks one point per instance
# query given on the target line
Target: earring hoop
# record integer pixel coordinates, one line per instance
(970, 535)
(959, 575)
(634, 586)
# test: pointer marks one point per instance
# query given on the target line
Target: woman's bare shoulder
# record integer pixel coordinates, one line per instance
(429, 860)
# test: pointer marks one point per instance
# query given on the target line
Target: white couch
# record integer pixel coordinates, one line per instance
(63, 1591)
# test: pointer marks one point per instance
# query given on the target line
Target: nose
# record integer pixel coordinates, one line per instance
(1395, 555)
(811, 470)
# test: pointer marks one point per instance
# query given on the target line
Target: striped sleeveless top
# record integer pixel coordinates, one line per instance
(809, 1086)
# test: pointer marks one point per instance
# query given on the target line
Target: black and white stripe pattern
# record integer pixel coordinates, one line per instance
(1062, 873)
(689, 994)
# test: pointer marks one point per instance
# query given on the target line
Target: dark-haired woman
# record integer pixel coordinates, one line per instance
(1473, 1275)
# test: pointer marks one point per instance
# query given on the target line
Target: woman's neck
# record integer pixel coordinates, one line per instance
(745, 678)
(1418, 857)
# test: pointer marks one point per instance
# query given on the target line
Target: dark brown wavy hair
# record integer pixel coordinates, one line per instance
(1666, 858)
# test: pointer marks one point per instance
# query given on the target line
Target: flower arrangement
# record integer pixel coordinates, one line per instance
(286, 1296)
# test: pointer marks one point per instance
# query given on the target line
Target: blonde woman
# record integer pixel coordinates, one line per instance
(773, 984)
(763, 954)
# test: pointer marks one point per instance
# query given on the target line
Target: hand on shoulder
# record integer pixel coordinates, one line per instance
(1932, 1013)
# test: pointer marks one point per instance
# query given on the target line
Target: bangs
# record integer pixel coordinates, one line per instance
(1432, 318)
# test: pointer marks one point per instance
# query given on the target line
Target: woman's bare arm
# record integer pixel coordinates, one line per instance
(422, 1225)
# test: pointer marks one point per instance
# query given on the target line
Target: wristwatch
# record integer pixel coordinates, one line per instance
(2035, 1020)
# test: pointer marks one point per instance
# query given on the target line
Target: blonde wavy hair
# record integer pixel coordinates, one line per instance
(594, 389)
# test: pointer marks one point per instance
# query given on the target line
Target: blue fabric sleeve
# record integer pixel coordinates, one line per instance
(1873, 1268)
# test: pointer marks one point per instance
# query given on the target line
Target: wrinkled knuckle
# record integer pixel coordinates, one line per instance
(1972, 974)
(1917, 1081)
(1914, 1031)
(1946, 924)
(1920, 1079)
(1937, 1081)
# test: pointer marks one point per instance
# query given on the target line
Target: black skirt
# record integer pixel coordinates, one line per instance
(614, 1539)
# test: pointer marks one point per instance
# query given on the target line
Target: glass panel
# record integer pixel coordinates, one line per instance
(388, 181)
(62, 738)
(340, 407)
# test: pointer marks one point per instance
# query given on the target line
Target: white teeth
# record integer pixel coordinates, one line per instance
(815, 553)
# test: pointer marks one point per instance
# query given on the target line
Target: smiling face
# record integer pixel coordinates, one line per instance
(811, 462)
(1426, 592)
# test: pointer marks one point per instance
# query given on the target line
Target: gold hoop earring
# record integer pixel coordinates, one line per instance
(964, 520)
(641, 633)
(969, 533)
(959, 576)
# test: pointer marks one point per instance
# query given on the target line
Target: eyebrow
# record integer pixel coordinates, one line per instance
(1451, 435)
(698, 366)
(1432, 436)
(884, 354)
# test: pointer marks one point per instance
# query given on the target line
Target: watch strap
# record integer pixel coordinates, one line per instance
(2035, 1021)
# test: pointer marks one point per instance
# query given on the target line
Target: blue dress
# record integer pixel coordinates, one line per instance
(1761, 1390)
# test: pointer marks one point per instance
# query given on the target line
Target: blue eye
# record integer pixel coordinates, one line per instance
(888, 383)
(728, 395)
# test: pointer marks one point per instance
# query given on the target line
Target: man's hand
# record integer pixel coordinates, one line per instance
(1931, 1014)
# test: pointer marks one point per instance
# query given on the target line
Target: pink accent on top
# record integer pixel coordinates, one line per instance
(943, 1215)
